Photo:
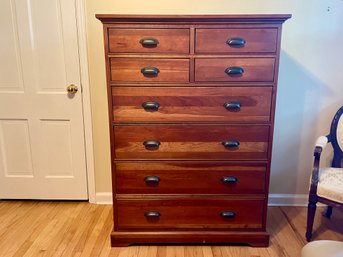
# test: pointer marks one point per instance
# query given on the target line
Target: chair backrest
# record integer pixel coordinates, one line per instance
(336, 138)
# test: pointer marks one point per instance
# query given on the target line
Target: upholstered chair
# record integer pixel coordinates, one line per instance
(327, 183)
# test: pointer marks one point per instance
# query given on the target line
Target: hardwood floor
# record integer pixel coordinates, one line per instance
(34, 228)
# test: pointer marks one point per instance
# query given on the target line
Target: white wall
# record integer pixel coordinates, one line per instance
(310, 80)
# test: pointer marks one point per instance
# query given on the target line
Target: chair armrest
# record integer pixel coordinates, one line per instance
(322, 141)
(320, 145)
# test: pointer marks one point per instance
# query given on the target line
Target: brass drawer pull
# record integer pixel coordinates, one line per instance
(228, 214)
(234, 71)
(150, 71)
(150, 106)
(152, 214)
(149, 42)
(232, 106)
(236, 42)
(151, 144)
(152, 179)
(229, 180)
(231, 144)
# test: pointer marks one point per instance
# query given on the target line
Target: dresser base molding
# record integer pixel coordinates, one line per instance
(123, 238)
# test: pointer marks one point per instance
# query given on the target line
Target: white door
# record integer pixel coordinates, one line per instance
(42, 152)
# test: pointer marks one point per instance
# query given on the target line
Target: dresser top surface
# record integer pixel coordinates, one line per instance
(234, 18)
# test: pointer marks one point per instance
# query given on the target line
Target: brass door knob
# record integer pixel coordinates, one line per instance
(72, 89)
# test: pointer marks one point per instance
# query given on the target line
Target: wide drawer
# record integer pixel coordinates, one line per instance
(240, 40)
(191, 142)
(162, 104)
(234, 70)
(189, 178)
(149, 70)
(148, 40)
(190, 213)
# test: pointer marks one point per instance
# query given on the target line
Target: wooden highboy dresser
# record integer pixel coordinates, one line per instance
(191, 109)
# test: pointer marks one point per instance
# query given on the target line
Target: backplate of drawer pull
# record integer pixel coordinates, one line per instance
(229, 180)
(236, 42)
(151, 144)
(152, 214)
(149, 42)
(231, 144)
(233, 106)
(152, 179)
(234, 71)
(151, 106)
(150, 71)
(228, 214)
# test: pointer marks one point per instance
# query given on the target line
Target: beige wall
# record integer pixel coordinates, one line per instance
(310, 79)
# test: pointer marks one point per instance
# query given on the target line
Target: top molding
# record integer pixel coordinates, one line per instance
(242, 18)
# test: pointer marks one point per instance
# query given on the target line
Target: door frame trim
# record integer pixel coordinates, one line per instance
(86, 98)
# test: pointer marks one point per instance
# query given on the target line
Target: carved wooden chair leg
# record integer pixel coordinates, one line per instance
(311, 211)
(328, 212)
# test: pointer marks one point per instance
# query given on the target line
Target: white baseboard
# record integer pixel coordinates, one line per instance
(274, 199)
(288, 200)
(103, 198)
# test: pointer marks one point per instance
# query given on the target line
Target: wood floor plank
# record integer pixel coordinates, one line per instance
(323, 228)
(104, 234)
(58, 229)
(49, 234)
(284, 241)
(60, 242)
(34, 232)
(29, 224)
(194, 251)
(175, 251)
(80, 229)
(217, 251)
(11, 218)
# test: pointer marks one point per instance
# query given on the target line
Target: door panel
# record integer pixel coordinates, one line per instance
(42, 153)
(16, 143)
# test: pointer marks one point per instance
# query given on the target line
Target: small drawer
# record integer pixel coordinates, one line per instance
(226, 142)
(148, 40)
(189, 178)
(178, 104)
(235, 70)
(240, 40)
(190, 213)
(149, 70)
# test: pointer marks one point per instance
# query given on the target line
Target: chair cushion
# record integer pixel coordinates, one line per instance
(330, 184)
(323, 248)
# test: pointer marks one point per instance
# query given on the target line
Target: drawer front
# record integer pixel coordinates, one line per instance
(148, 40)
(235, 70)
(149, 70)
(192, 213)
(162, 104)
(185, 178)
(191, 142)
(242, 40)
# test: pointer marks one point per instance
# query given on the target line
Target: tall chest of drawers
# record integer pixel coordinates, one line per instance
(191, 110)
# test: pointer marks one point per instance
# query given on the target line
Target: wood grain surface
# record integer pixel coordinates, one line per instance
(189, 104)
(128, 40)
(255, 69)
(175, 114)
(129, 70)
(185, 178)
(43, 228)
(256, 40)
(192, 213)
(191, 142)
